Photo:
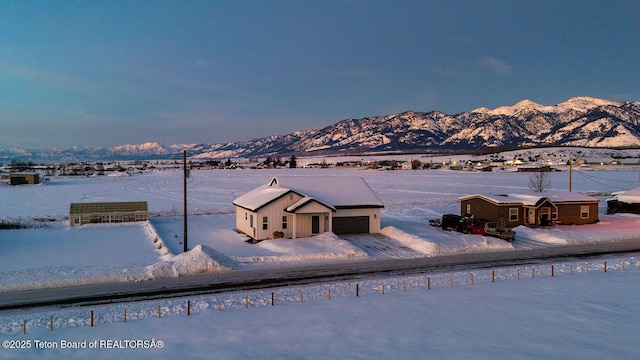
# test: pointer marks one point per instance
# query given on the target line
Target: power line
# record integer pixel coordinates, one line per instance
(604, 184)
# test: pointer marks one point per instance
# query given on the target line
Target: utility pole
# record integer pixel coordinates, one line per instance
(186, 174)
(570, 172)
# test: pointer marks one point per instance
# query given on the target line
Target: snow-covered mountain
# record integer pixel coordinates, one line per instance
(579, 121)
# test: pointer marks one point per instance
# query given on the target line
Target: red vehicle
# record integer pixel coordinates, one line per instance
(476, 228)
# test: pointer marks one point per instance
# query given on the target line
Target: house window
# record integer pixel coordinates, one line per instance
(513, 214)
(584, 212)
(265, 221)
(554, 215)
(245, 216)
(468, 208)
(284, 222)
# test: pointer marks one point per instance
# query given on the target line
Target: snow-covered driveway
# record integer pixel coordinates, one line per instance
(379, 246)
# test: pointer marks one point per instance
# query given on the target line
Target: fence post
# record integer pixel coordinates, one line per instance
(24, 327)
(51, 323)
(91, 318)
(158, 311)
(428, 283)
(571, 269)
(471, 278)
(533, 272)
(493, 276)
(518, 273)
(383, 288)
(451, 281)
(404, 286)
(551, 270)
(125, 315)
(272, 298)
(357, 290)
(246, 302)
(329, 294)
(219, 305)
(605, 266)
(623, 265)
(300, 296)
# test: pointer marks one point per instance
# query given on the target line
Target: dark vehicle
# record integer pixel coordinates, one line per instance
(463, 224)
(456, 222)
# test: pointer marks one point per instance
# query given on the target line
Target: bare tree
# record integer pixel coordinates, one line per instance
(539, 181)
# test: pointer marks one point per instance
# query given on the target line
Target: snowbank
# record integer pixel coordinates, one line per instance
(199, 260)
(325, 246)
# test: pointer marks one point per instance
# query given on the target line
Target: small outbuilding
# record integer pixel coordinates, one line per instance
(303, 206)
(625, 202)
(532, 209)
(24, 178)
(107, 212)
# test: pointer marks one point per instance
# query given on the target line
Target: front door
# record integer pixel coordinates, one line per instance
(315, 224)
(532, 216)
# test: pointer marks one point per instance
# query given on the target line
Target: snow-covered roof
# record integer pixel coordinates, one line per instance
(304, 201)
(534, 198)
(630, 196)
(260, 196)
(332, 191)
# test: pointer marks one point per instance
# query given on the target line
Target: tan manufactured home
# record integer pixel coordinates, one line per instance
(107, 212)
(303, 206)
(532, 209)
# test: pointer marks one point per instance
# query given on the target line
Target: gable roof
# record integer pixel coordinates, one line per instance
(331, 191)
(534, 199)
(304, 202)
(629, 196)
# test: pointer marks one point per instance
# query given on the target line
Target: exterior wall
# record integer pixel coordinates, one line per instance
(614, 206)
(570, 213)
(112, 217)
(242, 221)
(486, 210)
(372, 213)
(274, 213)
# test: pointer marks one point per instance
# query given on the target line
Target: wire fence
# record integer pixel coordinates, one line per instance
(106, 314)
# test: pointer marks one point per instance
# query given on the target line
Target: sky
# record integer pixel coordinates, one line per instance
(108, 73)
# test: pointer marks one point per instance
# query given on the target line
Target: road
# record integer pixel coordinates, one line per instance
(300, 275)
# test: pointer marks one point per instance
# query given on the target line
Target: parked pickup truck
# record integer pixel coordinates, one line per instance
(504, 233)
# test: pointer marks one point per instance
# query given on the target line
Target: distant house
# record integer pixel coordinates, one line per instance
(107, 212)
(303, 206)
(24, 178)
(625, 202)
(629, 161)
(532, 209)
(596, 161)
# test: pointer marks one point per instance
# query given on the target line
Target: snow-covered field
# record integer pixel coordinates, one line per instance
(459, 322)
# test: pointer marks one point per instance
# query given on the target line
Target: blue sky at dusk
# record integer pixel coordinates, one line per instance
(107, 73)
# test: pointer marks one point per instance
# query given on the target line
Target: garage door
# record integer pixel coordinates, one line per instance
(351, 225)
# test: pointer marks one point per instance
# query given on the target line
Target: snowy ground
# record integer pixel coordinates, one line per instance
(56, 255)
(581, 312)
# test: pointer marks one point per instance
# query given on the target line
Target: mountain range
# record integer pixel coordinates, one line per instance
(579, 122)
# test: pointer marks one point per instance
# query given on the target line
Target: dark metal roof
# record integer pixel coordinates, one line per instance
(108, 207)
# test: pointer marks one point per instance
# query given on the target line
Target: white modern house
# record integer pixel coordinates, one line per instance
(303, 206)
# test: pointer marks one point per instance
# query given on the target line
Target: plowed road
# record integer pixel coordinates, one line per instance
(300, 275)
